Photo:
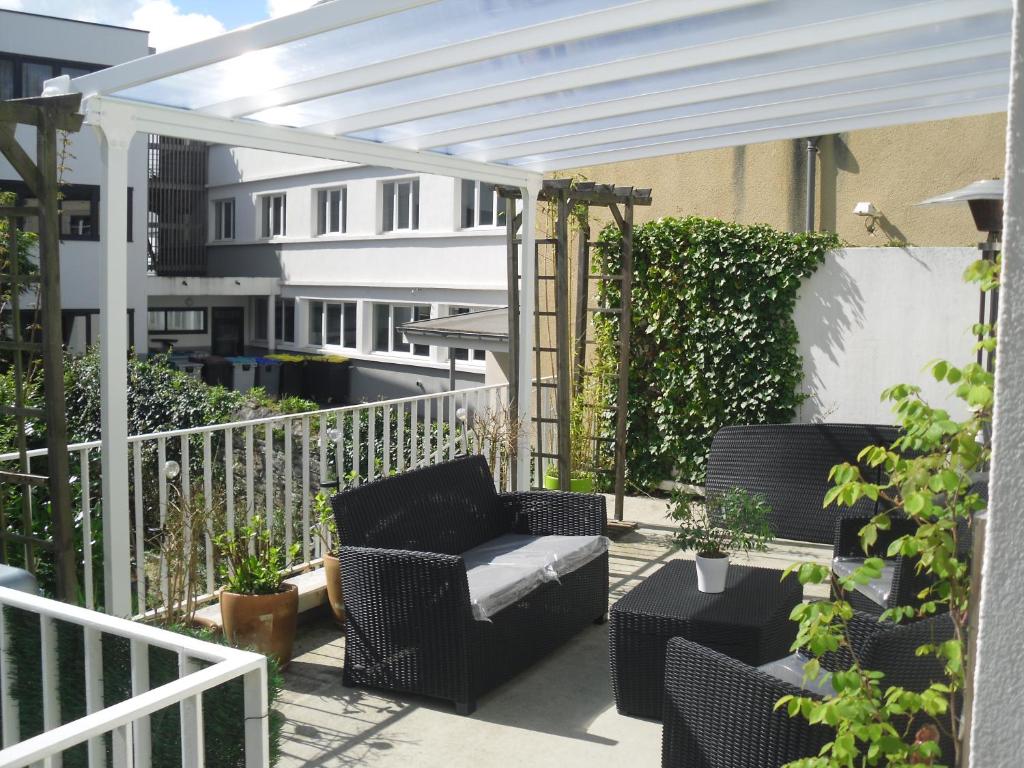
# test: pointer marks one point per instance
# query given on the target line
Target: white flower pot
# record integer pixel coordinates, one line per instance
(711, 573)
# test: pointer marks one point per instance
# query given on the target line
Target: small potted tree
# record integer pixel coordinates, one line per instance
(735, 521)
(257, 608)
(327, 532)
(584, 427)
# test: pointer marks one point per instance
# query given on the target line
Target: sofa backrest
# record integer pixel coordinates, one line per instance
(789, 465)
(446, 508)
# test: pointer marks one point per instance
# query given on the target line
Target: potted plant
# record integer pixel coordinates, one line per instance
(258, 609)
(735, 521)
(327, 532)
(584, 426)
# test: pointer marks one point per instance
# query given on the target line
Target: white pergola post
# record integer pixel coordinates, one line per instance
(527, 302)
(995, 737)
(115, 131)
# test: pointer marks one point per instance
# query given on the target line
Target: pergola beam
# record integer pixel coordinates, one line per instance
(905, 95)
(186, 124)
(794, 130)
(265, 34)
(921, 58)
(639, 13)
(774, 42)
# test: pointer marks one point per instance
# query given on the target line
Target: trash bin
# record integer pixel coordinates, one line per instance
(19, 579)
(184, 363)
(217, 371)
(268, 375)
(243, 374)
(292, 367)
(336, 379)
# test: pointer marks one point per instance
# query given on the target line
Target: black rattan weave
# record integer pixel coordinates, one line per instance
(719, 712)
(789, 465)
(749, 621)
(409, 623)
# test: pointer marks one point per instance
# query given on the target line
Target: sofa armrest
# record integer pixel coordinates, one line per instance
(543, 513)
(392, 578)
(720, 711)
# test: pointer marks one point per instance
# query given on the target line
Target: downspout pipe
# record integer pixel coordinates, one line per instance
(812, 158)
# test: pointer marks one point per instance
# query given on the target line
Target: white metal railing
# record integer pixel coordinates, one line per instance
(272, 467)
(201, 666)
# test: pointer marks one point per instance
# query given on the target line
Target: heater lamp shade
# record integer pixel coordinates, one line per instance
(985, 199)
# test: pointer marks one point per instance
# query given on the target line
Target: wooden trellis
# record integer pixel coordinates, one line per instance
(47, 116)
(572, 202)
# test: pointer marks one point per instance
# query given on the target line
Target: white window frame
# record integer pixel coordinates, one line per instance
(414, 203)
(269, 234)
(321, 208)
(220, 234)
(324, 344)
(498, 207)
(471, 359)
(391, 330)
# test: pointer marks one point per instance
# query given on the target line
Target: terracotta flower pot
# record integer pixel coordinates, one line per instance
(335, 597)
(265, 623)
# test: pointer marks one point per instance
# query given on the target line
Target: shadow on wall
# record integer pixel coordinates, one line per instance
(835, 302)
(834, 157)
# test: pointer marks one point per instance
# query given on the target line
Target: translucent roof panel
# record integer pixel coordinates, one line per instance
(537, 83)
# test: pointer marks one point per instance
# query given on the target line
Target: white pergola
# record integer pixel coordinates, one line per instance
(505, 91)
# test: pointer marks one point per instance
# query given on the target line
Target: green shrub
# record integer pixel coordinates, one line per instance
(713, 342)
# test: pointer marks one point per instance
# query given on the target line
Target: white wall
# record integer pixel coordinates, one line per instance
(873, 317)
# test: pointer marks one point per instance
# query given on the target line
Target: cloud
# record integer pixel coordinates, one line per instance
(168, 25)
(284, 7)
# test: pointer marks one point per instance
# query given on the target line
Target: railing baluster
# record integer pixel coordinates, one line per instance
(229, 479)
(400, 451)
(141, 734)
(8, 704)
(371, 443)
(208, 507)
(268, 475)
(387, 440)
(161, 473)
(305, 490)
(453, 424)
(140, 530)
(186, 494)
(122, 748)
(257, 725)
(250, 480)
(192, 748)
(288, 533)
(428, 428)
(89, 584)
(94, 690)
(323, 451)
(50, 680)
(414, 433)
(355, 446)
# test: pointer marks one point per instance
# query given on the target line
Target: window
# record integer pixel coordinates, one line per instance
(401, 205)
(459, 353)
(284, 319)
(481, 206)
(272, 216)
(387, 321)
(224, 219)
(79, 210)
(333, 324)
(33, 76)
(23, 76)
(6, 79)
(259, 317)
(174, 320)
(331, 211)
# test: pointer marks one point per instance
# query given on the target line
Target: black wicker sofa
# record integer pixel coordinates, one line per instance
(417, 548)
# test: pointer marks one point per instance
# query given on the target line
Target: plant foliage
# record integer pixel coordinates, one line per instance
(930, 474)
(251, 564)
(735, 521)
(713, 342)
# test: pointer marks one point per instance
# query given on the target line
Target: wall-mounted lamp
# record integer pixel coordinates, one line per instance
(869, 213)
(985, 199)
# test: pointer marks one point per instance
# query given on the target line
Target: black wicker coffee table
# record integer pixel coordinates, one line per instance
(748, 621)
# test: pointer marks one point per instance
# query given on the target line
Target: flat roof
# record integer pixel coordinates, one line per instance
(75, 21)
(487, 329)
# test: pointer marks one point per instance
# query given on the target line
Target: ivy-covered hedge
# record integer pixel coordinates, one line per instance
(714, 341)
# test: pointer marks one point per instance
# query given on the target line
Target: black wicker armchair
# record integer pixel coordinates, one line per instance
(789, 465)
(411, 624)
(719, 712)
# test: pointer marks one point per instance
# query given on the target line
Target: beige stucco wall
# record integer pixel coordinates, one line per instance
(890, 167)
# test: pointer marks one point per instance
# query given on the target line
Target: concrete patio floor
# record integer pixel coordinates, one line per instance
(559, 713)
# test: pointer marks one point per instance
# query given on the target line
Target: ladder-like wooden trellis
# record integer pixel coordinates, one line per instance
(572, 202)
(47, 116)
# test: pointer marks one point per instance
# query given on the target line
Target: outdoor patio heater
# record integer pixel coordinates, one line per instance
(985, 199)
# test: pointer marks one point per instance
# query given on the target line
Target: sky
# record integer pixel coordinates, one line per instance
(170, 22)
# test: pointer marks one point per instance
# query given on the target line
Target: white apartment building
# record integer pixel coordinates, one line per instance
(33, 49)
(327, 257)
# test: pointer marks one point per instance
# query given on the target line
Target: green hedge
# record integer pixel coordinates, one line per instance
(714, 341)
(223, 706)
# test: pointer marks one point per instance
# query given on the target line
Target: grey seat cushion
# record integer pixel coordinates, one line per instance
(876, 590)
(790, 669)
(506, 569)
